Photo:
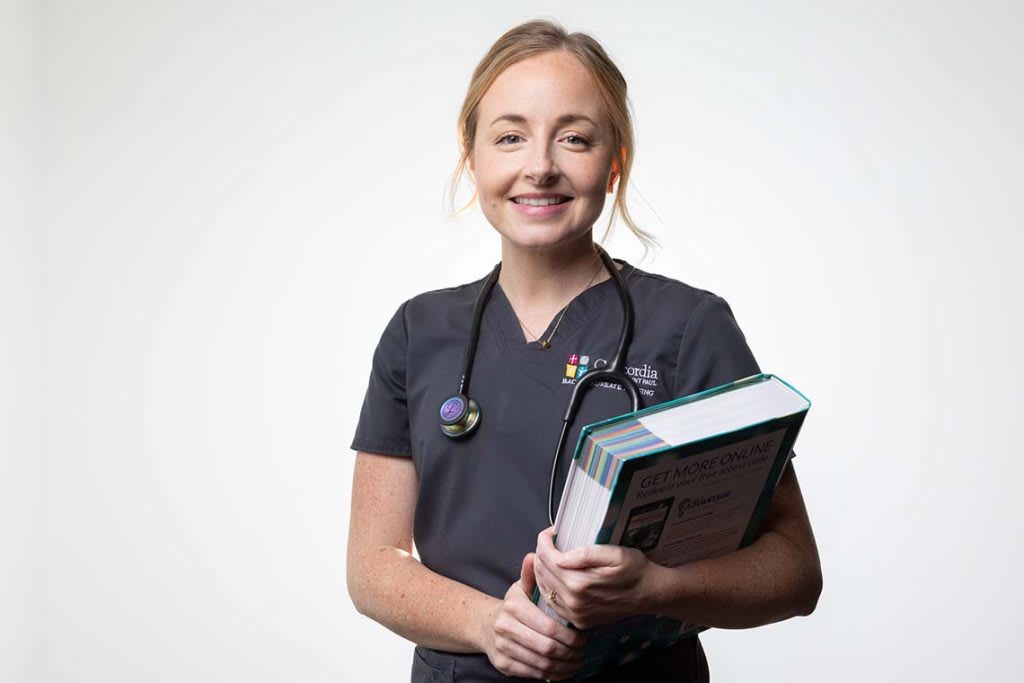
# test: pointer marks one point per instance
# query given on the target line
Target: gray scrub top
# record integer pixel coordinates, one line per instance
(483, 500)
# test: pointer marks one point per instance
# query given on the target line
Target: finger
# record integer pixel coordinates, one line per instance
(537, 621)
(540, 651)
(563, 613)
(527, 577)
(513, 667)
(546, 665)
(541, 638)
(549, 579)
(589, 556)
(546, 549)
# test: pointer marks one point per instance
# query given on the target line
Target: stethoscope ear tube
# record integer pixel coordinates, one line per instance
(460, 414)
(474, 333)
(609, 373)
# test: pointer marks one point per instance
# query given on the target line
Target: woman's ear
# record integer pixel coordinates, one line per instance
(615, 173)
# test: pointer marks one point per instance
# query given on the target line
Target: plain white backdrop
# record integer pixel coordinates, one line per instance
(210, 210)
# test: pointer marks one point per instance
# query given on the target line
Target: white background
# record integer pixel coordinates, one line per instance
(211, 209)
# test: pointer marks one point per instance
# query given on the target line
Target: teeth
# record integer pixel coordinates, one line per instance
(539, 202)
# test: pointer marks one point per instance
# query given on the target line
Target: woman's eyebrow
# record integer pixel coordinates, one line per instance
(563, 119)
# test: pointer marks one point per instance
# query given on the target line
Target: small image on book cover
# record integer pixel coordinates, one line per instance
(645, 523)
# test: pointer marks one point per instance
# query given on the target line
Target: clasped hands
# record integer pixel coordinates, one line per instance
(593, 584)
(589, 586)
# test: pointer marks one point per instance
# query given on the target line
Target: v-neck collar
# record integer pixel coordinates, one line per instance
(502, 316)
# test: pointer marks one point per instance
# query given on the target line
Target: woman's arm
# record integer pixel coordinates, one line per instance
(385, 581)
(392, 587)
(776, 577)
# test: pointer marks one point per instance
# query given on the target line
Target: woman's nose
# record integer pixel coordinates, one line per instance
(540, 167)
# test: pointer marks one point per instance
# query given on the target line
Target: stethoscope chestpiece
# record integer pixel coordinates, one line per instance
(459, 416)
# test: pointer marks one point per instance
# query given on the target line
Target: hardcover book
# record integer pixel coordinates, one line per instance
(681, 481)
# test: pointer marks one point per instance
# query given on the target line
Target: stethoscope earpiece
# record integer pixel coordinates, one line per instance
(459, 415)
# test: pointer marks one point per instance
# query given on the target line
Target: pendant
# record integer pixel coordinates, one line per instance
(544, 344)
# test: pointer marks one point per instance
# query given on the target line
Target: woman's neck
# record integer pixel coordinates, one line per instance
(549, 279)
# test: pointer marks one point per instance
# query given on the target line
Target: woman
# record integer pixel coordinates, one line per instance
(546, 134)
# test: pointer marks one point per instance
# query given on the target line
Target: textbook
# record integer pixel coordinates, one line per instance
(681, 481)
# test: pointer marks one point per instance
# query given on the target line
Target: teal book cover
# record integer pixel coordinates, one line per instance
(677, 503)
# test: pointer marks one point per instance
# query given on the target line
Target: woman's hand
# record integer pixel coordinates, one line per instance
(523, 641)
(595, 584)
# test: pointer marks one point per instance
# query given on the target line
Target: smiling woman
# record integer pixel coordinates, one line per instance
(546, 135)
(576, 96)
(544, 127)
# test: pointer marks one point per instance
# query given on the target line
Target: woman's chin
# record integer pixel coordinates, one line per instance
(542, 238)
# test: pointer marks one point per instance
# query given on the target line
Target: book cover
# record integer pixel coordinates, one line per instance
(677, 503)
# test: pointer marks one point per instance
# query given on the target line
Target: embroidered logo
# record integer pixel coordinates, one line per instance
(577, 365)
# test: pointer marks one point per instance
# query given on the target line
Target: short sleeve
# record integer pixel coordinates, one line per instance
(713, 350)
(383, 425)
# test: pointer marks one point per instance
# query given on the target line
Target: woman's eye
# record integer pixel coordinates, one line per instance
(581, 141)
(509, 135)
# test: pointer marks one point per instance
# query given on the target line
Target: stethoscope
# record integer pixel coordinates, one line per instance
(460, 415)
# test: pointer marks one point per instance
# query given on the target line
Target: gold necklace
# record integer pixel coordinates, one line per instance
(546, 343)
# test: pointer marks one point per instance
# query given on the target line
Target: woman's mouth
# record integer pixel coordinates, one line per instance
(541, 206)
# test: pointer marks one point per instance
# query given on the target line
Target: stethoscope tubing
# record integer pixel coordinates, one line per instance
(474, 334)
(465, 412)
(609, 373)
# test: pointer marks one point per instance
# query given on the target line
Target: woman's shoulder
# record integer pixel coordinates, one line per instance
(429, 311)
(433, 303)
(663, 290)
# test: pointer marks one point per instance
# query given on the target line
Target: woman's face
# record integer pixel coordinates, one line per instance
(542, 134)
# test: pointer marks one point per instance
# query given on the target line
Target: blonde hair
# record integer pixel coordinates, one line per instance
(537, 37)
